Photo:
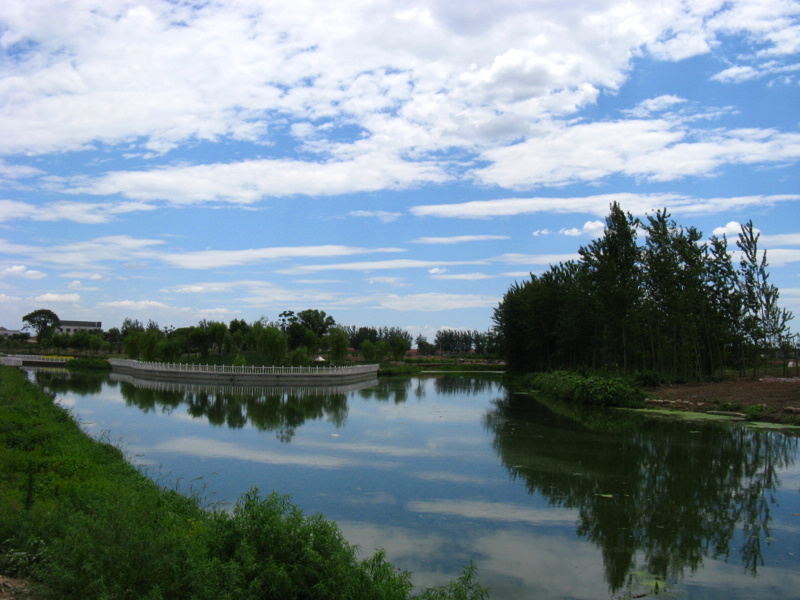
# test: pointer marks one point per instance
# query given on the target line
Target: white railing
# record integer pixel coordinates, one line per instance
(241, 370)
(58, 359)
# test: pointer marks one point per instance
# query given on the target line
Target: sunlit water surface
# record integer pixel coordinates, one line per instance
(442, 470)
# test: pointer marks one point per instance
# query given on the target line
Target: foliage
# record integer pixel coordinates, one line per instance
(673, 306)
(42, 321)
(88, 363)
(600, 390)
(79, 521)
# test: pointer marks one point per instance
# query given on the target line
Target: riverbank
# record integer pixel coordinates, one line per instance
(78, 521)
(769, 399)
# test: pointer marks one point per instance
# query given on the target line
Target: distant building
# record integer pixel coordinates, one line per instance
(7, 332)
(75, 326)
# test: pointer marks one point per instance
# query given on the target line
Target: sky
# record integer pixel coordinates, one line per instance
(390, 163)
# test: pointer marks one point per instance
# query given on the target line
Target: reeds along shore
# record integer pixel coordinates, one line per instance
(80, 522)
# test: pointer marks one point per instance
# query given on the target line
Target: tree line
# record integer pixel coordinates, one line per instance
(672, 305)
(292, 339)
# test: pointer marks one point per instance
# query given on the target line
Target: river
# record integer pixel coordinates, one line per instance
(440, 470)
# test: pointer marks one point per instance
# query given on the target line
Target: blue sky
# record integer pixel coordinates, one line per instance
(391, 163)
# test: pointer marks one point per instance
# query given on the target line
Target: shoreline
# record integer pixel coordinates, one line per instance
(768, 399)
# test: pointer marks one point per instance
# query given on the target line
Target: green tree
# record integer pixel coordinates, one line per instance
(424, 347)
(43, 322)
(217, 332)
(316, 321)
(764, 322)
(612, 262)
(273, 346)
(400, 346)
(368, 351)
(338, 342)
(130, 325)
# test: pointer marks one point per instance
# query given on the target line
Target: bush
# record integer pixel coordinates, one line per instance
(88, 363)
(595, 389)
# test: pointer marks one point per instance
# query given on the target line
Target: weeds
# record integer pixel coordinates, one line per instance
(587, 389)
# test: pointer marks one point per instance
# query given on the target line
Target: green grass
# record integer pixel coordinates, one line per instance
(79, 521)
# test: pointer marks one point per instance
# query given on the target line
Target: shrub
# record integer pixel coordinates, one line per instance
(597, 390)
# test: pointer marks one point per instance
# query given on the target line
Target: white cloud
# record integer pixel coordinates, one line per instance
(437, 301)
(210, 259)
(77, 212)
(375, 265)
(783, 239)
(392, 281)
(54, 298)
(22, 271)
(535, 259)
(249, 181)
(591, 228)
(654, 105)
(731, 229)
(736, 74)
(463, 276)
(458, 239)
(637, 204)
(131, 304)
(382, 215)
(653, 149)
(429, 76)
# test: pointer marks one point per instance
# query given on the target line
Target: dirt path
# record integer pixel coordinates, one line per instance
(12, 589)
(780, 397)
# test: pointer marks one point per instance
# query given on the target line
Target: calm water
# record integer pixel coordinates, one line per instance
(442, 470)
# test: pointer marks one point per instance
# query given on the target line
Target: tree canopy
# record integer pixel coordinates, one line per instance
(674, 304)
(42, 321)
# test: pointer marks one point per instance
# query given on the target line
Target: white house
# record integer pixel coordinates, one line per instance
(75, 326)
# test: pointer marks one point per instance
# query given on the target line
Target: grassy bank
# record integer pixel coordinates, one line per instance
(597, 390)
(78, 521)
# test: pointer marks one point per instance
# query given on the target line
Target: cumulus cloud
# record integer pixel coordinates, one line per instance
(54, 298)
(157, 74)
(732, 228)
(654, 149)
(591, 228)
(21, 271)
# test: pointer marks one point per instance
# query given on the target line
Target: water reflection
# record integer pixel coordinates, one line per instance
(279, 409)
(59, 381)
(670, 494)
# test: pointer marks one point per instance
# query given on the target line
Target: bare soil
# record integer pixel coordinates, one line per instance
(779, 398)
(12, 589)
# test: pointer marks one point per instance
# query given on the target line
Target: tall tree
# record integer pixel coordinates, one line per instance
(42, 321)
(316, 320)
(613, 268)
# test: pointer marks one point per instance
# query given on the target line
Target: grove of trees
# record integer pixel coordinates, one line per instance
(673, 305)
(293, 339)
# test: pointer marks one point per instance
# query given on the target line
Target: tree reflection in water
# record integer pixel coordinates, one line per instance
(282, 410)
(670, 492)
